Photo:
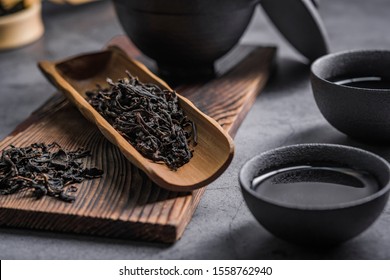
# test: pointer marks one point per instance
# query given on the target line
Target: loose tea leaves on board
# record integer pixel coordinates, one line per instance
(44, 169)
(149, 117)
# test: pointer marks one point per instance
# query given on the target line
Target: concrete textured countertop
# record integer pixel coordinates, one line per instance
(285, 113)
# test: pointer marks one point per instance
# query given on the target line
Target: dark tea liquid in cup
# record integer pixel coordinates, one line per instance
(373, 82)
(315, 185)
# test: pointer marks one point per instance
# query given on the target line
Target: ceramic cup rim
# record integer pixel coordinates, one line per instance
(248, 188)
(316, 66)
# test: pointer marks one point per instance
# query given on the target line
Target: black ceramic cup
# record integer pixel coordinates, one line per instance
(323, 224)
(185, 37)
(362, 113)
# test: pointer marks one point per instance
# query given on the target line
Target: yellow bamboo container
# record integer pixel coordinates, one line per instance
(21, 28)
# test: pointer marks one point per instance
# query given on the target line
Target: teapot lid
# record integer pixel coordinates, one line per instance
(300, 23)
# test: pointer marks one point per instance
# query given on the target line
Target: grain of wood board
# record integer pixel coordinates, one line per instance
(125, 203)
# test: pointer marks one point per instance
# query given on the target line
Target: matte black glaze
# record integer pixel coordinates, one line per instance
(187, 7)
(358, 112)
(320, 225)
(300, 23)
(185, 37)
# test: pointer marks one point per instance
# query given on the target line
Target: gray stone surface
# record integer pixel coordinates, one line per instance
(285, 113)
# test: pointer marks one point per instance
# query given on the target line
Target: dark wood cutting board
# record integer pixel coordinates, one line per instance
(125, 203)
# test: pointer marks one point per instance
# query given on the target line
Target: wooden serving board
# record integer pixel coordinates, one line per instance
(124, 203)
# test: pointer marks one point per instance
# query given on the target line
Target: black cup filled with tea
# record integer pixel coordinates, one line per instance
(316, 194)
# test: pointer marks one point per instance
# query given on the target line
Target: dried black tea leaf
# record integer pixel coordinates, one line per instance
(149, 117)
(45, 170)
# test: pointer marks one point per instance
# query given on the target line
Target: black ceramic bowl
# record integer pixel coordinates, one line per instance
(316, 225)
(361, 113)
(185, 37)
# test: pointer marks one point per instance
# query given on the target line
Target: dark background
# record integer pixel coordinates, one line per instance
(285, 113)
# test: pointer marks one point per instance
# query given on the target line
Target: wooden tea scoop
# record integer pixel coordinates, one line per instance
(76, 75)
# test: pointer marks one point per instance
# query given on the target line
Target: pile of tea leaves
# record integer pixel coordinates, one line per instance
(44, 170)
(149, 117)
